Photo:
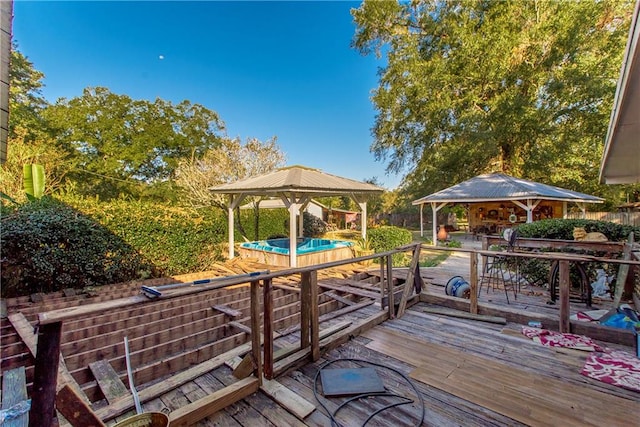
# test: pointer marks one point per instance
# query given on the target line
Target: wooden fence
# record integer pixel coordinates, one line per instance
(624, 218)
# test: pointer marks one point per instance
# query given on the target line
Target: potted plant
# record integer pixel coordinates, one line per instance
(363, 248)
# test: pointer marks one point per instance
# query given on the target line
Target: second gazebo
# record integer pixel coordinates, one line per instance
(497, 200)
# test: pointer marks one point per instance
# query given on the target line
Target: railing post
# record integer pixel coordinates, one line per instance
(305, 309)
(565, 284)
(267, 302)
(390, 297)
(414, 272)
(382, 283)
(255, 329)
(473, 282)
(315, 316)
(45, 375)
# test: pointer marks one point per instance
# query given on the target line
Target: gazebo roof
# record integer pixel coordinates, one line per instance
(299, 180)
(495, 187)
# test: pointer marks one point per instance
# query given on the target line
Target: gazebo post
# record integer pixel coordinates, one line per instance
(293, 238)
(234, 201)
(363, 219)
(231, 225)
(301, 221)
(529, 207)
(421, 221)
(434, 228)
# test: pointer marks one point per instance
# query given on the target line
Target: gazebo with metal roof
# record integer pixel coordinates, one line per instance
(296, 186)
(498, 187)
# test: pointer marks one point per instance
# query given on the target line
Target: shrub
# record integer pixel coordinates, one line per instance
(176, 240)
(385, 238)
(563, 229)
(536, 271)
(312, 225)
(48, 246)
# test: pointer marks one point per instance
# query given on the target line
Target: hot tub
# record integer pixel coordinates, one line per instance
(309, 251)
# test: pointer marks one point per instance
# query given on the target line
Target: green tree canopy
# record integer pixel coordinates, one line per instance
(25, 97)
(119, 145)
(519, 87)
(229, 162)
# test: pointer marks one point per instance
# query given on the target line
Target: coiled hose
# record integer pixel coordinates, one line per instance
(403, 401)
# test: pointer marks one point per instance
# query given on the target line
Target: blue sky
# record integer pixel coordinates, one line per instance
(268, 68)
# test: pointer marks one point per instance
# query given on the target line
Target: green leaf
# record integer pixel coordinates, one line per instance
(34, 179)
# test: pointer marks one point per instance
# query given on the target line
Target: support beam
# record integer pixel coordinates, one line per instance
(411, 277)
(267, 317)
(435, 207)
(234, 201)
(473, 282)
(314, 316)
(305, 310)
(363, 219)
(45, 375)
(255, 328)
(565, 285)
(390, 296)
(434, 224)
(529, 207)
(75, 410)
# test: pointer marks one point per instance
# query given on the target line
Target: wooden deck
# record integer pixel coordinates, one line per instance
(467, 372)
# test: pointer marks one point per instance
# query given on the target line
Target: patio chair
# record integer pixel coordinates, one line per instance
(498, 270)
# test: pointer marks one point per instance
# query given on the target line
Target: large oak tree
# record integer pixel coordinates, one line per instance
(520, 87)
(120, 146)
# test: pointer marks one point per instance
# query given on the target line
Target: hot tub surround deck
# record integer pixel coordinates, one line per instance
(309, 251)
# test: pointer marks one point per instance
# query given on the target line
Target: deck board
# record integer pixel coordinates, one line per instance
(84, 339)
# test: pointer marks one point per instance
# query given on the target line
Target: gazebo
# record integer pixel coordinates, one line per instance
(498, 189)
(296, 186)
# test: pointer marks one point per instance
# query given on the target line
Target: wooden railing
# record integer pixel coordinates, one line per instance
(46, 388)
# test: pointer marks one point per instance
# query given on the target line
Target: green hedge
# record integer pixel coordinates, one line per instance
(176, 240)
(77, 242)
(48, 246)
(537, 271)
(271, 222)
(562, 229)
(385, 238)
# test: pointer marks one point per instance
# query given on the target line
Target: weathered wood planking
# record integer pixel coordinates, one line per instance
(108, 380)
(373, 294)
(529, 398)
(295, 404)
(14, 391)
(231, 312)
(75, 410)
(194, 412)
(26, 332)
